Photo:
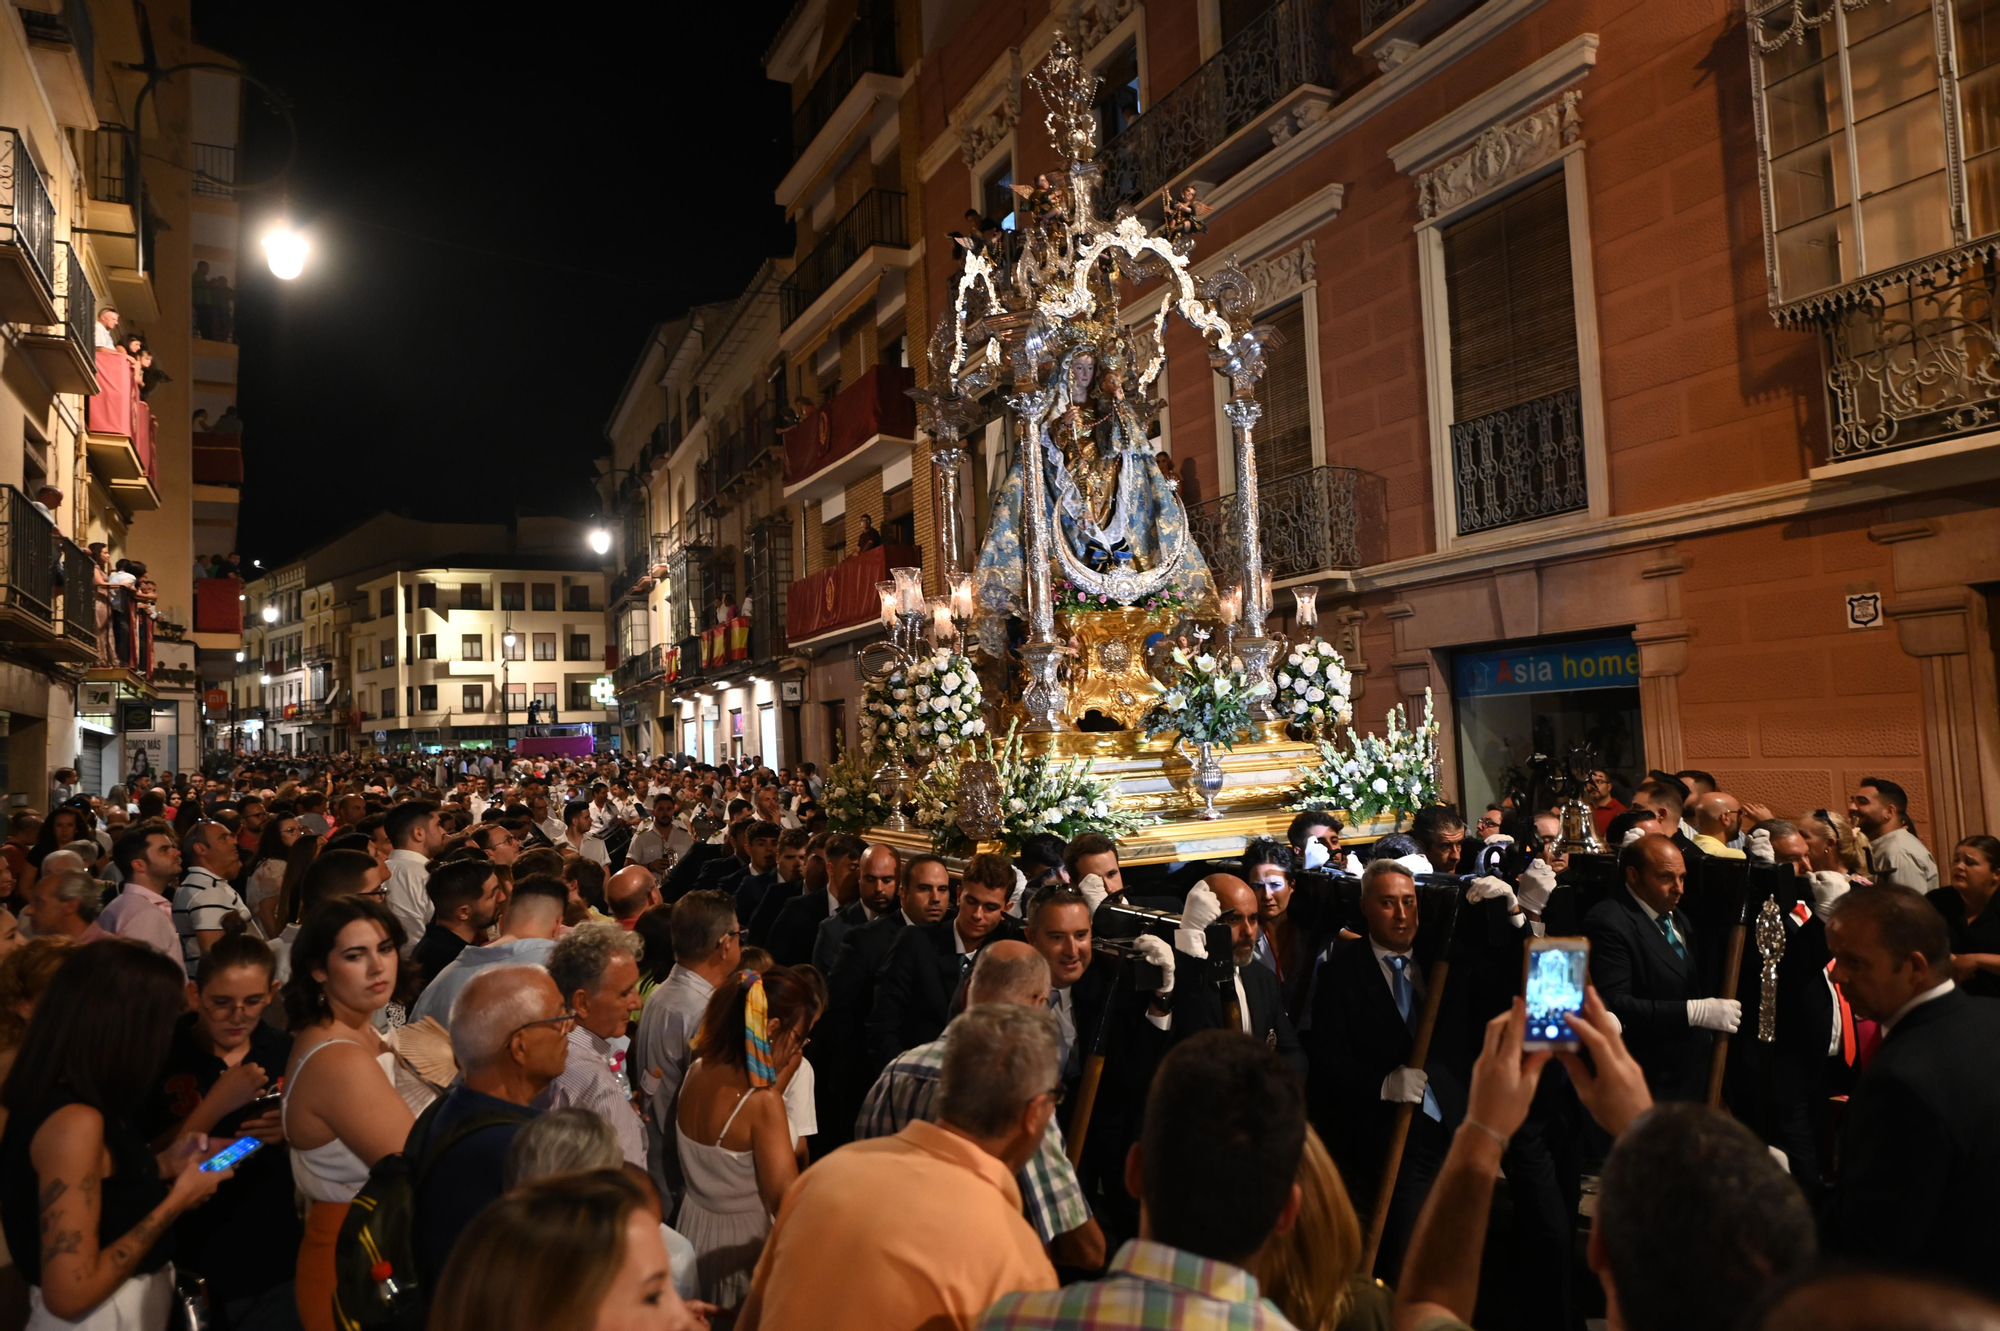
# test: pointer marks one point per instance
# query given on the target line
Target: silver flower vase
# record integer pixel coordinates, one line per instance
(1208, 778)
(891, 778)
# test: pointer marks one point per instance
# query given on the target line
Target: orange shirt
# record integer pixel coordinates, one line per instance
(922, 1229)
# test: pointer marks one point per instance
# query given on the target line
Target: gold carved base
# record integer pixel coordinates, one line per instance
(1108, 675)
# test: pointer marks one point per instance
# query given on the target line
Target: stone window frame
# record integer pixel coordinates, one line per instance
(1519, 132)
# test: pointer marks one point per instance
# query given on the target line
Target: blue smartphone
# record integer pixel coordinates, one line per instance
(231, 1155)
(1558, 969)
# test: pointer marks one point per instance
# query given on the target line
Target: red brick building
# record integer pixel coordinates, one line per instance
(1613, 340)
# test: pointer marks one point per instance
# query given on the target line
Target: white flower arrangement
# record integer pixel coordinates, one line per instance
(1391, 773)
(1037, 794)
(1315, 687)
(849, 796)
(932, 701)
(1208, 702)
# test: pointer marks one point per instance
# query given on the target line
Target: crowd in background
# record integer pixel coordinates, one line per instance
(641, 1044)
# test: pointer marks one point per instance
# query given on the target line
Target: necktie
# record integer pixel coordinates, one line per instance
(1400, 967)
(1673, 937)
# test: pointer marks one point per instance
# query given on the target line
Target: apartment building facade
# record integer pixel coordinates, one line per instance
(1634, 378)
(105, 202)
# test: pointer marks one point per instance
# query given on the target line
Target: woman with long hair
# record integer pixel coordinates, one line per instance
(65, 823)
(573, 1252)
(341, 1108)
(298, 859)
(88, 1208)
(734, 1139)
(1313, 1271)
(266, 875)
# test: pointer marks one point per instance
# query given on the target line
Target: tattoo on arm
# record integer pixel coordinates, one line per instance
(127, 1252)
(63, 1244)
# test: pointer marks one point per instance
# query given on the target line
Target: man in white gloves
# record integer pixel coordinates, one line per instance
(1642, 960)
(1367, 1005)
(1207, 987)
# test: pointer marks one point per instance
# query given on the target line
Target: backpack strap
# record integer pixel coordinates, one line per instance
(424, 1153)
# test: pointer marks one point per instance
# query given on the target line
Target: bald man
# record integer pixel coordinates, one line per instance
(1716, 818)
(1642, 959)
(1230, 991)
(630, 893)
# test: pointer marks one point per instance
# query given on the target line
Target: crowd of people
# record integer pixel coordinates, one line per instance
(533, 1043)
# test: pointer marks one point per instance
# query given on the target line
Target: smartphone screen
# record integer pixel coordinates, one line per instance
(1557, 968)
(231, 1155)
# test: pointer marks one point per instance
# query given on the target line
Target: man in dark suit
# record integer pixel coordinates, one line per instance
(1366, 1008)
(724, 872)
(1233, 991)
(791, 934)
(913, 993)
(877, 881)
(1642, 960)
(1918, 1173)
(788, 885)
(760, 842)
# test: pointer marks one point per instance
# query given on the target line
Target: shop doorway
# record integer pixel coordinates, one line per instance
(1544, 697)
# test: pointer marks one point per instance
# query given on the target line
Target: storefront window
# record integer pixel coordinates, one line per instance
(1544, 697)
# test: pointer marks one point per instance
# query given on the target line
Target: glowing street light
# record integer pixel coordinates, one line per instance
(285, 250)
(270, 614)
(600, 540)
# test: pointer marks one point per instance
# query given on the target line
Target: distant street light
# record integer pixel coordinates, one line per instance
(600, 540)
(285, 250)
(270, 614)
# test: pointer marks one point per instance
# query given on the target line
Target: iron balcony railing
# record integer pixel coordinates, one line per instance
(1520, 463)
(870, 48)
(1281, 50)
(76, 306)
(215, 170)
(877, 218)
(71, 27)
(1914, 361)
(1315, 521)
(28, 582)
(25, 209)
(79, 584)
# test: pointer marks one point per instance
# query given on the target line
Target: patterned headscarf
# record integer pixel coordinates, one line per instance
(756, 1036)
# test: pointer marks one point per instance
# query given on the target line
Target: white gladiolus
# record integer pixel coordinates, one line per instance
(1204, 662)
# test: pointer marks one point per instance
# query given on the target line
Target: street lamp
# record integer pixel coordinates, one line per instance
(285, 250)
(270, 614)
(600, 540)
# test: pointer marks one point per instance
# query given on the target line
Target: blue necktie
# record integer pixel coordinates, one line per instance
(1673, 937)
(1404, 993)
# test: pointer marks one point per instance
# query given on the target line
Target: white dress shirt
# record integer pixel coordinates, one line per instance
(407, 897)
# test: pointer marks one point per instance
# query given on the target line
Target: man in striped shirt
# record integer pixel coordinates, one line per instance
(1216, 1169)
(906, 1092)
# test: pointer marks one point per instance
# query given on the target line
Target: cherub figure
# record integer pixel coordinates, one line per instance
(1183, 214)
(1043, 200)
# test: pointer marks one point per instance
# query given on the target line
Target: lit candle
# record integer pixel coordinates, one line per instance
(1264, 597)
(961, 596)
(1232, 604)
(909, 590)
(1308, 600)
(942, 629)
(887, 591)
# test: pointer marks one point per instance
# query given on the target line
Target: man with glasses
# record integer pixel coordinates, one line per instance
(221, 1078)
(708, 947)
(510, 1035)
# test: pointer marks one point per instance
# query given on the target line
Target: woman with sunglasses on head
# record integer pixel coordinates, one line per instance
(266, 874)
(341, 1111)
(735, 1141)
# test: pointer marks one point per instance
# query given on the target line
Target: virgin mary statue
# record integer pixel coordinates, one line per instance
(1118, 532)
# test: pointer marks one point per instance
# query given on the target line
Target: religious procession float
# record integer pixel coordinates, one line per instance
(1088, 672)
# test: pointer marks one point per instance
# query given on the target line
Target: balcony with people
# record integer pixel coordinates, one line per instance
(119, 430)
(860, 429)
(843, 596)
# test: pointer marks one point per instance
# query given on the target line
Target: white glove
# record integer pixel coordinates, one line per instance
(1715, 1014)
(1416, 863)
(1156, 951)
(1499, 839)
(1492, 889)
(1405, 1086)
(1757, 845)
(1538, 883)
(1632, 834)
(1827, 888)
(1093, 891)
(1784, 1161)
(1316, 853)
(1201, 910)
(1354, 866)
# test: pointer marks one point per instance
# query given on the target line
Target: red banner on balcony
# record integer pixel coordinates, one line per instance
(876, 403)
(844, 595)
(218, 458)
(218, 605)
(111, 408)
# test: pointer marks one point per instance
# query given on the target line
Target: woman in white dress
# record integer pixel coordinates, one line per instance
(267, 873)
(342, 1110)
(736, 1147)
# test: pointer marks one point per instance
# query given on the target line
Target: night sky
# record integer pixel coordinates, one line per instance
(500, 209)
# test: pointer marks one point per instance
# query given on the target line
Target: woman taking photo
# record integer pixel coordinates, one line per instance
(341, 1109)
(266, 876)
(87, 1207)
(575, 1252)
(736, 1149)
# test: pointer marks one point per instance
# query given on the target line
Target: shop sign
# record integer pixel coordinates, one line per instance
(1605, 663)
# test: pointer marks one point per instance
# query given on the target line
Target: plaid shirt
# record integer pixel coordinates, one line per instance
(1150, 1287)
(1051, 1196)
